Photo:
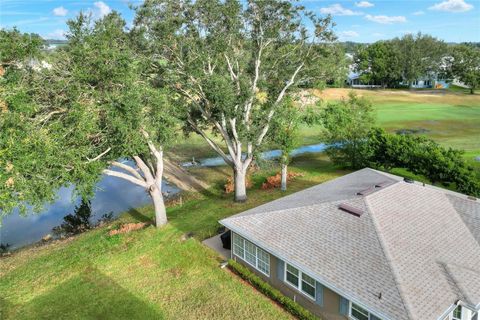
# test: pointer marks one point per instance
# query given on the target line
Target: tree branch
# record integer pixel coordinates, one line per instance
(128, 169)
(125, 177)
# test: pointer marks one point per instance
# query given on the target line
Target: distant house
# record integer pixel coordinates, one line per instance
(367, 246)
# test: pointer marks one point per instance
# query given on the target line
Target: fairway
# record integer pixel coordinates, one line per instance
(451, 119)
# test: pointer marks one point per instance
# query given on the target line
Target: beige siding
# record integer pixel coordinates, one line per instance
(331, 300)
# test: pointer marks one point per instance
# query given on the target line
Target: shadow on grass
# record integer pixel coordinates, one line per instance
(89, 295)
(139, 216)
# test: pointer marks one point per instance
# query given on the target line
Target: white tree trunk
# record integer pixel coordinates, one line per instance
(284, 177)
(159, 205)
(150, 179)
(240, 181)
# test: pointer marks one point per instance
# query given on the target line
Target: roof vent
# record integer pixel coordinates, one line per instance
(352, 210)
(408, 180)
(365, 192)
(382, 184)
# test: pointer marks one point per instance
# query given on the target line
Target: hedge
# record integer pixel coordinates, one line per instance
(288, 304)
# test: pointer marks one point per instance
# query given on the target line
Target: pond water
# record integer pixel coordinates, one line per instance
(114, 196)
(272, 154)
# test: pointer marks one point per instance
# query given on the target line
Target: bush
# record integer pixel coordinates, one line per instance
(288, 304)
(422, 156)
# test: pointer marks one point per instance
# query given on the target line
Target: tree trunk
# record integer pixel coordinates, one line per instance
(472, 91)
(159, 205)
(240, 181)
(284, 177)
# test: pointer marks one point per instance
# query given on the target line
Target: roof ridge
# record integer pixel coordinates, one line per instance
(388, 256)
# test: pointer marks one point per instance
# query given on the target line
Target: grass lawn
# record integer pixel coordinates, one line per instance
(146, 274)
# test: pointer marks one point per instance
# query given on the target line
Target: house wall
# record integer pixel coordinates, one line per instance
(331, 300)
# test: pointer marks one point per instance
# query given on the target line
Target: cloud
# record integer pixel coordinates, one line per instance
(418, 13)
(337, 10)
(452, 6)
(60, 11)
(348, 34)
(102, 8)
(364, 4)
(378, 35)
(386, 19)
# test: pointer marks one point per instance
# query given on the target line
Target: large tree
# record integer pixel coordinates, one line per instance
(232, 64)
(71, 123)
(379, 63)
(464, 64)
(419, 56)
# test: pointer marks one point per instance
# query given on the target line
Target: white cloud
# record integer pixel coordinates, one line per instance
(348, 34)
(364, 4)
(452, 6)
(102, 8)
(337, 10)
(418, 13)
(60, 11)
(386, 19)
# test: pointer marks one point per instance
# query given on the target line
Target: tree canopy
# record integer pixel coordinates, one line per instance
(347, 124)
(464, 64)
(67, 124)
(232, 64)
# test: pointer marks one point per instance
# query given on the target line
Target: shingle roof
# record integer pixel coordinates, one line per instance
(412, 244)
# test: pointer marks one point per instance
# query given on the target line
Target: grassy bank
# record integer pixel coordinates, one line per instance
(147, 274)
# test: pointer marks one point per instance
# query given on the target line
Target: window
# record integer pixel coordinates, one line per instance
(300, 280)
(457, 313)
(358, 312)
(292, 275)
(252, 254)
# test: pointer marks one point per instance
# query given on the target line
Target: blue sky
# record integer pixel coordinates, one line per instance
(360, 21)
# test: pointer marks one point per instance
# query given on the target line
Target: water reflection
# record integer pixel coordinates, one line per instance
(114, 195)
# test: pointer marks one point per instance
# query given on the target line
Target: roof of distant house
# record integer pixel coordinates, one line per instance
(416, 246)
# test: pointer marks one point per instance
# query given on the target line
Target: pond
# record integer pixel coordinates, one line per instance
(114, 196)
(272, 154)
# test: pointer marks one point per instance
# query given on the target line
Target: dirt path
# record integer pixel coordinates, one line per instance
(183, 179)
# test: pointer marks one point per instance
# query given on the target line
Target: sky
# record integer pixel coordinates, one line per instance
(358, 21)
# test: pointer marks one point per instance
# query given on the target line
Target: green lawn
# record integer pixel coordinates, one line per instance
(147, 274)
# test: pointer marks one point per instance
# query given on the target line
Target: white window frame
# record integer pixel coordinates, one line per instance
(257, 250)
(351, 316)
(300, 280)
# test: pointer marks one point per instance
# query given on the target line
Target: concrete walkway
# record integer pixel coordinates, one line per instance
(215, 243)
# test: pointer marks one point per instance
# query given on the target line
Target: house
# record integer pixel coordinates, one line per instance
(366, 246)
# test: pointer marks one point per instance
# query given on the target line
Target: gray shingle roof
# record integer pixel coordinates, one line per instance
(412, 244)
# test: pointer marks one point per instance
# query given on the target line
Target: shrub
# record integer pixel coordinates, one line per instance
(275, 181)
(288, 304)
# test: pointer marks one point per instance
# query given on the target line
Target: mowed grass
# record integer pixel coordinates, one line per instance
(150, 273)
(450, 118)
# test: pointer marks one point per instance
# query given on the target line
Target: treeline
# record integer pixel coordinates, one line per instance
(403, 60)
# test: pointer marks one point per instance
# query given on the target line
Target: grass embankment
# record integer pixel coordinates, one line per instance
(146, 274)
